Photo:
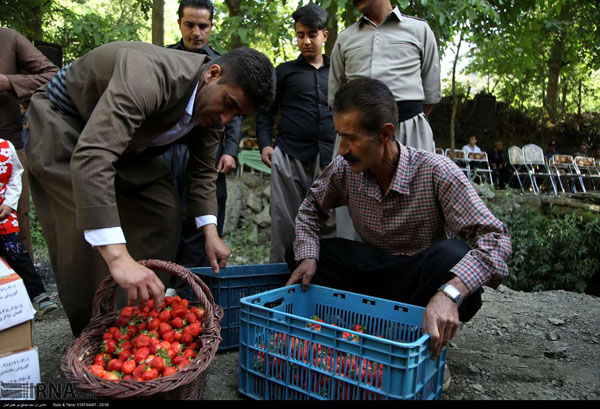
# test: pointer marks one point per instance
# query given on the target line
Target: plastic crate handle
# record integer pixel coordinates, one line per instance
(273, 304)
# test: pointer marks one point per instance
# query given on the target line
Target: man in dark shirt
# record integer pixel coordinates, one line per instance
(305, 134)
(195, 24)
(497, 160)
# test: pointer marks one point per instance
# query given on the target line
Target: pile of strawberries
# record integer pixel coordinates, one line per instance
(343, 365)
(147, 343)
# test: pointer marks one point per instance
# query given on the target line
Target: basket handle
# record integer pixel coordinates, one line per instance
(205, 297)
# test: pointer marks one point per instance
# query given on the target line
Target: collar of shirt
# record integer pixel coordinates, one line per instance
(302, 60)
(402, 177)
(212, 54)
(395, 12)
(189, 109)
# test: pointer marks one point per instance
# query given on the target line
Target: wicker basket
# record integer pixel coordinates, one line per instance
(187, 383)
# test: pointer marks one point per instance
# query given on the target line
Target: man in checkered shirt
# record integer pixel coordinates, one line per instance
(407, 205)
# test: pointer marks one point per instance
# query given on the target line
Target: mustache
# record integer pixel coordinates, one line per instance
(351, 158)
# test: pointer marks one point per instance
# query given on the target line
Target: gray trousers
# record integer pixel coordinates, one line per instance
(414, 132)
(290, 181)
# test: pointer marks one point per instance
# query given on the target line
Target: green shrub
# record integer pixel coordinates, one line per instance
(552, 252)
(246, 246)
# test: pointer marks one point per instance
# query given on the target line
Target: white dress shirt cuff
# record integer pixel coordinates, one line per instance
(105, 236)
(204, 220)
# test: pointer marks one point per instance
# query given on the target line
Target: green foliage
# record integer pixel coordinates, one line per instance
(537, 43)
(81, 28)
(552, 252)
(245, 246)
(40, 248)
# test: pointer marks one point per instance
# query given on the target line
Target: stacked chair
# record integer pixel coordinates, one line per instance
(565, 169)
(520, 171)
(480, 167)
(460, 158)
(533, 157)
(589, 170)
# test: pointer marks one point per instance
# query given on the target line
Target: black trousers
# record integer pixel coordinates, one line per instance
(17, 257)
(365, 269)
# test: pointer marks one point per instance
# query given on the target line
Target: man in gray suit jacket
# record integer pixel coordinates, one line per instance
(97, 132)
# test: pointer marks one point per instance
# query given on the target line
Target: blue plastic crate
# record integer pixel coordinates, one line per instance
(284, 355)
(235, 282)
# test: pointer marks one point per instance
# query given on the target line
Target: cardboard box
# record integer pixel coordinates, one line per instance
(19, 373)
(15, 306)
(16, 338)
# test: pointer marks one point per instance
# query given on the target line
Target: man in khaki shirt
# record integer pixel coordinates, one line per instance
(400, 51)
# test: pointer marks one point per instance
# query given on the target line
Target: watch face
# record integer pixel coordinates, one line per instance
(452, 292)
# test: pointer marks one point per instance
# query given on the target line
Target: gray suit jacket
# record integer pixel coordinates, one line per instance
(128, 93)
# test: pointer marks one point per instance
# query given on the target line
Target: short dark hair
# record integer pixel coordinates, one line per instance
(372, 98)
(311, 15)
(253, 72)
(197, 4)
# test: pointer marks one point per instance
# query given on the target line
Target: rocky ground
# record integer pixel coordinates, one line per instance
(531, 346)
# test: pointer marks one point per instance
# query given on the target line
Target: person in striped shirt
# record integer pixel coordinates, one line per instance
(428, 239)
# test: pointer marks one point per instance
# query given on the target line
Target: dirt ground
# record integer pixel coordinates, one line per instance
(529, 346)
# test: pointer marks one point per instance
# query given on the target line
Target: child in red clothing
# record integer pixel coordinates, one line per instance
(11, 248)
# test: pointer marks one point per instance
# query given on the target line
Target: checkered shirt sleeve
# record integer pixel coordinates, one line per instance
(467, 215)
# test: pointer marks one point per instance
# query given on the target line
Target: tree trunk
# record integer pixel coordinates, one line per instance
(332, 27)
(555, 64)
(454, 97)
(579, 98)
(564, 88)
(233, 6)
(158, 22)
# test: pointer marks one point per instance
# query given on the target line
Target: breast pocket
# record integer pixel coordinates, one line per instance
(357, 60)
(405, 52)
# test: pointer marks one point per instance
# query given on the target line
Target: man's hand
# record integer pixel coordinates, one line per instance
(139, 281)
(4, 84)
(266, 155)
(217, 251)
(440, 319)
(226, 164)
(427, 109)
(5, 211)
(305, 271)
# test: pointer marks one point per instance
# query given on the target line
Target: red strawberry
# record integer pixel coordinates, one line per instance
(153, 324)
(164, 315)
(142, 341)
(141, 354)
(158, 363)
(111, 376)
(114, 365)
(109, 347)
(102, 360)
(97, 370)
(190, 317)
(169, 370)
(150, 374)
(128, 366)
(164, 327)
(139, 371)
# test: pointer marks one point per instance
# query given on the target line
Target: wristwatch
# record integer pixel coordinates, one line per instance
(452, 293)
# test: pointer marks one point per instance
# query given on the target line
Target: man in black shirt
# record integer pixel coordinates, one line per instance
(305, 134)
(195, 24)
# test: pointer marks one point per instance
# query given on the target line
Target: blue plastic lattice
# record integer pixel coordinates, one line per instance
(284, 354)
(235, 282)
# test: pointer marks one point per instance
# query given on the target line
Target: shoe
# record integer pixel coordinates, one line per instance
(45, 304)
(447, 378)
(170, 292)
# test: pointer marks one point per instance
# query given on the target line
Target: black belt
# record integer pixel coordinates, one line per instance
(408, 109)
